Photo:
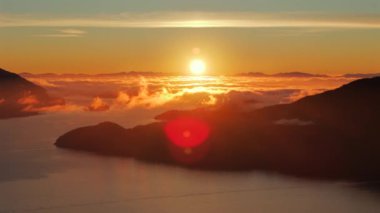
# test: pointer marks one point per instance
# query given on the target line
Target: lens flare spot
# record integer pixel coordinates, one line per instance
(187, 132)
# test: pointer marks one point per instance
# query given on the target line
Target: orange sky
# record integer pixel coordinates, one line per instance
(68, 36)
(225, 51)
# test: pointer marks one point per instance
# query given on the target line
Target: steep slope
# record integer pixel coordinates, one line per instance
(20, 97)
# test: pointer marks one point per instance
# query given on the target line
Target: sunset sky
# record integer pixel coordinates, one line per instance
(104, 36)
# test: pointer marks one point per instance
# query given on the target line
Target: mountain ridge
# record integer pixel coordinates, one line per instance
(329, 135)
(18, 95)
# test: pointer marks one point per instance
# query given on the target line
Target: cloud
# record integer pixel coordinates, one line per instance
(72, 31)
(98, 105)
(303, 93)
(125, 92)
(53, 108)
(64, 33)
(32, 103)
(249, 100)
(146, 98)
(42, 82)
(197, 20)
(28, 100)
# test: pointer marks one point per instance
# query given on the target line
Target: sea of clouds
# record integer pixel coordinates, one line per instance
(125, 91)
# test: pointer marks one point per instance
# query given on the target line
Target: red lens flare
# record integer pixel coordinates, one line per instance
(187, 132)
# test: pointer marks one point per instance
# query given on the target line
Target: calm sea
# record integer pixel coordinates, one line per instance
(35, 176)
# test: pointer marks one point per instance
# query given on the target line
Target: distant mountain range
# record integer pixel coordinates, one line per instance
(248, 74)
(362, 75)
(306, 75)
(101, 75)
(20, 97)
(284, 75)
(334, 134)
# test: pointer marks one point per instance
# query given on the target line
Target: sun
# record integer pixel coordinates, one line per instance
(197, 66)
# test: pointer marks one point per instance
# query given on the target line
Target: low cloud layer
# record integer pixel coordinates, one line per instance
(123, 91)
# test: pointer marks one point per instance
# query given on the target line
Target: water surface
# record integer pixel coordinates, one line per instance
(35, 176)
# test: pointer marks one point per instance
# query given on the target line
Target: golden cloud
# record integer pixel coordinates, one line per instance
(195, 20)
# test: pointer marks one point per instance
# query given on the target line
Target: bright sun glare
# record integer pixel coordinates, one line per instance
(197, 67)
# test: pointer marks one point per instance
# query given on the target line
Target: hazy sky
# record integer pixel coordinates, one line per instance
(324, 36)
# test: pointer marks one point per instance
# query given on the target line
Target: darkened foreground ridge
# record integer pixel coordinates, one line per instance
(330, 135)
(20, 97)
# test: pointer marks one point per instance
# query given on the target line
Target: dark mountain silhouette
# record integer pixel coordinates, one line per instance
(298, 75)
(254, 74)
(361, 75)
(19, 97)
(330, 135)
(101, 75)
